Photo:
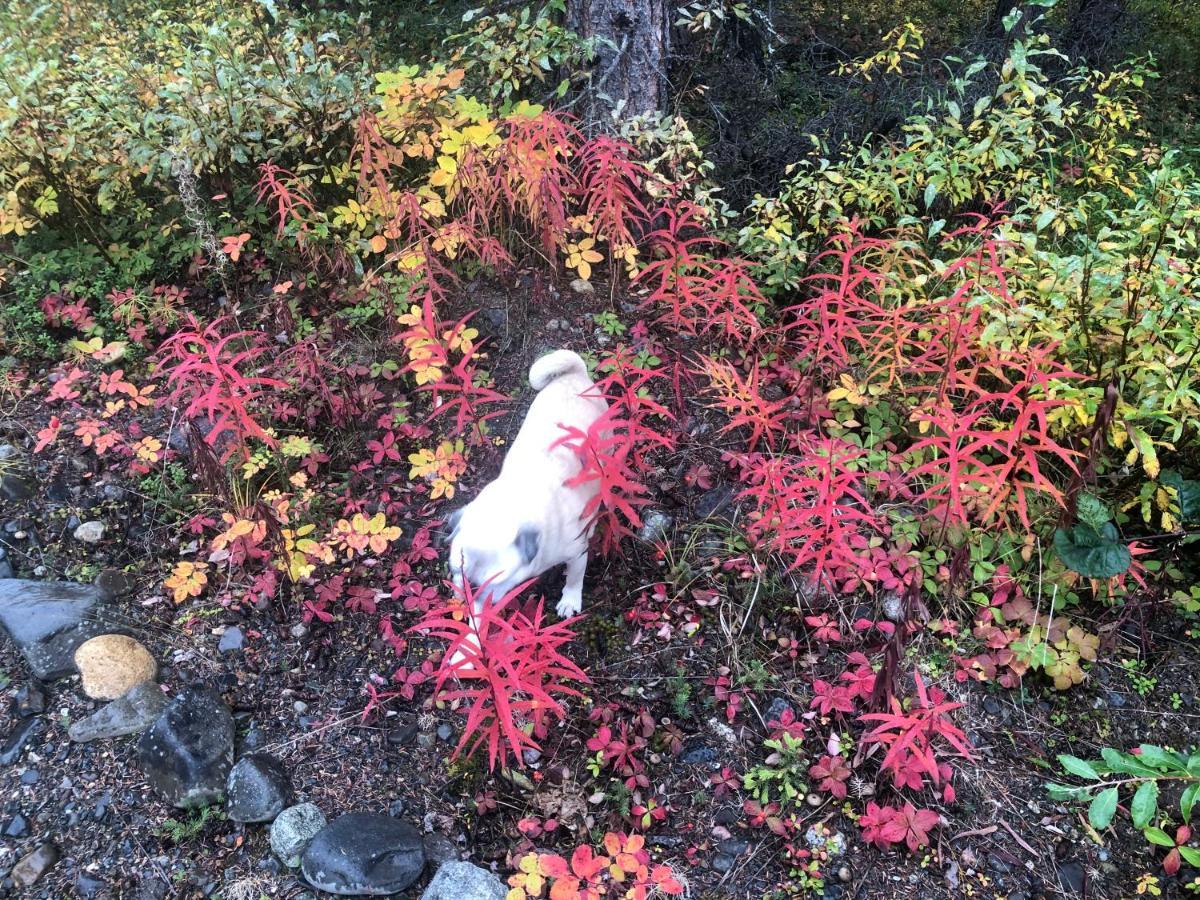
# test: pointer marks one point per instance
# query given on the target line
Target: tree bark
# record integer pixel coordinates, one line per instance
(632, 46)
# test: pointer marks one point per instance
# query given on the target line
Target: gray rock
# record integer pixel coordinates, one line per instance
(18, 740)
(778, 709)
(655, 525)
(48, 620)
(463, 881)
(131, 713)
(6, 569)
(582, 286)
(1072, 876)
(439, 849)
(30, 701)
(258, 789)
(364, 853)
(90, 532)
(188, 752)
(17, 827)
(88, 886)
(232, 640)
(293, 830)
(14, 490)
(723, 863)
(7, 451)
(714, 502)
(34, 866)
(696, 752)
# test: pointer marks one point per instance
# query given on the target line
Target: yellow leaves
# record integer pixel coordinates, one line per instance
(95, 348)
(296, 446)
(581, 255)
(301, 553)
(187, 579)
(253, 531)
(1142, 445)
(148, 449)
(352, 214)
(529, 880)
(849, 391)
(360, 534)
(441, 466)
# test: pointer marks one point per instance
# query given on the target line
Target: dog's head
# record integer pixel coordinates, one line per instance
(486, 552)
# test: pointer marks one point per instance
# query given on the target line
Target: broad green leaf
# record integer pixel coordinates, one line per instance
(1187, 800)
(1187, 494)
(1191, 856)
(1145, 804)
(1159, 837)
(1103, 808)
(1092, 553)
(1156, 757)
(1061, 792)
(1078, 767)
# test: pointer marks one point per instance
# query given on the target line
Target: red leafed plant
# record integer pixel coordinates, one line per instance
(912, 737)
(508, 668)
(221, 376)
(286, 192)
(611, 180)
(742, 401)
(887, 825)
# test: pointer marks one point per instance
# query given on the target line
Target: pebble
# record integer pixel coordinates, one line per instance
(582, 286)
(90, 532)
(445, 732)
(723, 863)
(456, 880)
(1071, 874)
(403, 736)
(655, 525)
(232, 640)
(778, 709)
(30, 777)
(258, 789)
(18, 739)
(30, 701)
(17, 827)
(299, 630)
(112, 665)
(292, 831)
(14, 489)
(696, 752)
(33, 866)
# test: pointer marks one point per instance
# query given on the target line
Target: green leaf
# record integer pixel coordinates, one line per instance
(1092, 553)
(1145, 804)
(1187, 800)
(1103, 808)
(1061, 792)
(1045, 219)
(931, 190)
(1159, 837)
(1187, 494)
(1090, 511)
(1156, 757)
(1191, 856)
(1078, 767)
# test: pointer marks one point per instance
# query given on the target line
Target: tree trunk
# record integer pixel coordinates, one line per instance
(632, 41)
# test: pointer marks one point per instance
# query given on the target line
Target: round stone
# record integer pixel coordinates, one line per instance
(113, 664)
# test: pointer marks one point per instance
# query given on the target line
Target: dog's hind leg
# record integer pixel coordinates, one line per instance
(572, 595)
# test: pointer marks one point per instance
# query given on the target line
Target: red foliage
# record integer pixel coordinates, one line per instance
(220, 376)
(887, 825)
(509, 669)
(288, 194)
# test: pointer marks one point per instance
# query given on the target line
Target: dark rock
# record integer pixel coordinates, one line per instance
(232, 640)
(30, 777)
(991, 706)
(733, 847)
(48, 621)
(404, 735)
(1071, 875)
(696, 752)
(188, 752)
(998, 864)
(1116, 700)
(131, 713)
(445, 732)
(58, 491)
(439, 849)
(30, 701)
(463, 881)
(115, 583)
(35, 865)
(293, 830)
(258, 789)
(396, 808)
(363, 853)
(18, 740)
(6, 569)
(14, 489)
(714, 502)
(727, 816)
(778, 709)
(254, 739)
(17, 827)
(723, 863)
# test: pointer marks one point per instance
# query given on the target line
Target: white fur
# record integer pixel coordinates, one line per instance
(530, 497)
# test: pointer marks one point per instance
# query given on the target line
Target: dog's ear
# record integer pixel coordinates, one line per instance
(528, 539)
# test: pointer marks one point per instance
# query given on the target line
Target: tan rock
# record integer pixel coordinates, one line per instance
(111, 664)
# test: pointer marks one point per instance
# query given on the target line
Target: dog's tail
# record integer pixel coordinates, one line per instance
(555, 365)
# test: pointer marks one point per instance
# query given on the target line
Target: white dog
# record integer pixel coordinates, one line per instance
(528, 520)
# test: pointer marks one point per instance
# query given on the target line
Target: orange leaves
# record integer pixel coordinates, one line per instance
(48, 435)
(623, 870)
(441, 466)
(232, 245)
(358, 535)
(90, 433)
(187, 579)
(148, 449)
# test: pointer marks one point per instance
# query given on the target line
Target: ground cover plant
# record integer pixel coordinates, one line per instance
(898, 490)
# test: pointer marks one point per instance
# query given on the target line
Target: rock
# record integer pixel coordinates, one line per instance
(17, 827)
(48, 620)
(89, 532)
(655, 525)
(696, 752)
(404, 735)
(115, 583)
(299, 630)
(439, 849)
(445, 732)
(188, 752)
(112, 665)
(132, 713)
(496, 316)
(723, 863)
(778, 709)
(1071, 874)
(893, 607)
(14, 490)
(293, 830)
(6, 569)
(232, 640)
(30, 777)
(364, 853)
(714, 502)
(88, 886)
(18, 740)
(7, 451)
(258, 789)
(30, 701)
(463, 881)
(32, 867)
(582, 286)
